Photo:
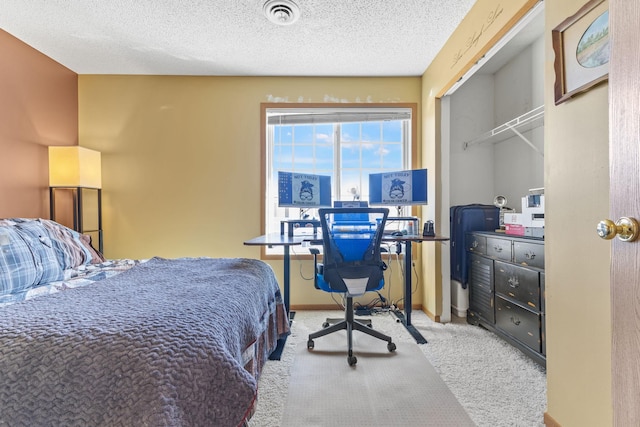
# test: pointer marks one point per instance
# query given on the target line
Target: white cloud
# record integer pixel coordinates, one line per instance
(382, 151)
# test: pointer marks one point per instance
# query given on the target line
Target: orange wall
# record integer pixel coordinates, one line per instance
(38, 108)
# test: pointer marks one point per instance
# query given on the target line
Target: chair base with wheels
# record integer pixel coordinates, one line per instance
(350, 324)
(352, 265)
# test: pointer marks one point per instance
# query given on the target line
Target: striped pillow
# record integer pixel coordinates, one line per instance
(46, 261)
(17, 264)
(71, 252)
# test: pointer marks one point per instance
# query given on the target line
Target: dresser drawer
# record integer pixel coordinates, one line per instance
(520, 283)
(520, 323)
(481, 273)
(499, 248)
(476, 243)
(481, 295)
(481, 303)
(543, 297)
(530, 254)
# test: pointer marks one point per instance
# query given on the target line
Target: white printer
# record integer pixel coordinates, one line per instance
(530, 222)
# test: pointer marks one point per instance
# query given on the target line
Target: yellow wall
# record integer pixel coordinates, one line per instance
(576, 187)
(486, 22)
(181, 158)
(577, 260)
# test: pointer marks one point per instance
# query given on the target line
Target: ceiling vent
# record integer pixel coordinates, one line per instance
(281, 12)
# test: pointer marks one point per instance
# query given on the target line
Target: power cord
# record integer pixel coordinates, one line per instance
(300, 264)
(388, 281)
(401, 269)
(414, 283)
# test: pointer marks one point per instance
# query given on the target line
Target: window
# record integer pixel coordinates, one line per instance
(345, 143)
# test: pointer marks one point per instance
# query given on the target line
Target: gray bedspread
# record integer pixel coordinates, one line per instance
(159, 345)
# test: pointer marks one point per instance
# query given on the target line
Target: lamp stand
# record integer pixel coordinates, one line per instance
(79, 208)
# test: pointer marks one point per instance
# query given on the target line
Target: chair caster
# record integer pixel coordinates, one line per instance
(310, 344)
(352, 360)
(391, 346)
(325, 325)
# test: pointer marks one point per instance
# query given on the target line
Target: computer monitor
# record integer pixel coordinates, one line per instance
(303, 190)
(401, 188)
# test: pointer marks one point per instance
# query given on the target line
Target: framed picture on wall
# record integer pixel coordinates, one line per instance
(581, 46)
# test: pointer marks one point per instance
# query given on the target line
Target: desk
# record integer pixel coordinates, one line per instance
(276, 239)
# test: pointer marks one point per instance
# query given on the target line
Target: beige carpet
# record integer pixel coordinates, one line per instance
(496, 384)
(382, 389)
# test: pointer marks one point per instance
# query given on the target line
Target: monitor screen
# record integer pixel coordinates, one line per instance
(303, 190)
(400, 188)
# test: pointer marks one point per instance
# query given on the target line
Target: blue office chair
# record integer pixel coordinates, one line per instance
(351, 265)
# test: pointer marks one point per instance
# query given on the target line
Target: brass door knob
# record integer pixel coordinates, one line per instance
(627, 229)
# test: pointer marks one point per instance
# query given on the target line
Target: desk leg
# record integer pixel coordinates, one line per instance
(408, 260)
(406, 318)
(276, 354)
(287, 278)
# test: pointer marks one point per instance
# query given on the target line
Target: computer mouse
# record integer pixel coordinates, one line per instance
(397, 233)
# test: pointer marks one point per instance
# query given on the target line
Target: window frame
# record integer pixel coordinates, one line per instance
(264, 107)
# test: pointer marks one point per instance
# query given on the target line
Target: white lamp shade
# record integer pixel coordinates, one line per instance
(74, 167)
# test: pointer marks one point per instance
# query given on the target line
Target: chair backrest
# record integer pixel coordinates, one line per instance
(352, 262)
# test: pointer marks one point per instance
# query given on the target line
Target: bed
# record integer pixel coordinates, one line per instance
(157, 342)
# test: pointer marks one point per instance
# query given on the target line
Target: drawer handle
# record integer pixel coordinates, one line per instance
(513, 282)
(515, 321)
(529, 255)
(474, 244)
(497, 248)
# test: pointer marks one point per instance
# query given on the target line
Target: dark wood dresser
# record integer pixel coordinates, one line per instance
(506, 289)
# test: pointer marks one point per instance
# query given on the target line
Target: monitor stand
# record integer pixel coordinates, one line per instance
(292, 224)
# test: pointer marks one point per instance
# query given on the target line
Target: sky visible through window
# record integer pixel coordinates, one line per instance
(362, 148)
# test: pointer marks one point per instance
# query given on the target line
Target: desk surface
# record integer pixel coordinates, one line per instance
(413, 238)
(277, 239)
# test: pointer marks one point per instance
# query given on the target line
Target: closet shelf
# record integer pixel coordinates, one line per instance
(527, 121)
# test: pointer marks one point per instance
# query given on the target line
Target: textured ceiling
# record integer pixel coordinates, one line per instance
(234, 38)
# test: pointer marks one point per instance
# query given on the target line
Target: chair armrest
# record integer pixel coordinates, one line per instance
(318, 268)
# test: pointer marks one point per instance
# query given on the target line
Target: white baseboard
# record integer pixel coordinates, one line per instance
(458, 312)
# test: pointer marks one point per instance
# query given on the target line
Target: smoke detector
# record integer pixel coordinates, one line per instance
(281, 12)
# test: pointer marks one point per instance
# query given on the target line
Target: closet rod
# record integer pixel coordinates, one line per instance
(495, 135)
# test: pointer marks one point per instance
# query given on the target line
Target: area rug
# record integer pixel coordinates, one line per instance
(383, 389)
